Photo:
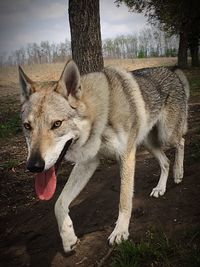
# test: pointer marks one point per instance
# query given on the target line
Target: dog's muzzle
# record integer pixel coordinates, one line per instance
(35, 163)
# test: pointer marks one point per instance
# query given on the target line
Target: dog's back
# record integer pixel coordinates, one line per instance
(170, 95)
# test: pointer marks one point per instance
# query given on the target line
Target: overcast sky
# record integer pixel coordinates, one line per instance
(26, 21)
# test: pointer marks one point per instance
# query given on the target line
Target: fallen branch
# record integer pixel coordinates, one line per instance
(102, 261)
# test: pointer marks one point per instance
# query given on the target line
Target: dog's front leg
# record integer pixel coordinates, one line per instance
(79, 177)
(127, 169)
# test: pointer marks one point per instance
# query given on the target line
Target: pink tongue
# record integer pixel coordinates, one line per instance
(45, 184)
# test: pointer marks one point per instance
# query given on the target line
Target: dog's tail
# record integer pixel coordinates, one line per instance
(184, 81)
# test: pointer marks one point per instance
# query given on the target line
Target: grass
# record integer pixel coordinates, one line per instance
(11, 126)
(42, 72)
(9, 75)
(156, 250)
(153, 251)
(193, 76)
(8, 165)
(195, 85)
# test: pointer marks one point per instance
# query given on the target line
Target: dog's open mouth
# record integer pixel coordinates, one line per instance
(45, 182)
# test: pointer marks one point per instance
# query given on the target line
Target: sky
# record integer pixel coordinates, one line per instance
(27, 21)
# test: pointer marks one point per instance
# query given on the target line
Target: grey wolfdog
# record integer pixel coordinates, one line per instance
(108, 113)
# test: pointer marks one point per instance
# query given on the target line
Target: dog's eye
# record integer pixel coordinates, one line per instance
(27, 126)
(56, 124)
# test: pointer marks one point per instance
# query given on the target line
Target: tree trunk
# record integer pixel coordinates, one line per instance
(86, 44)
(182, 51)
(195, 56)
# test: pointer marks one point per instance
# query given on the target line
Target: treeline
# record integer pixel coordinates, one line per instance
(150, 42)
(34, 53)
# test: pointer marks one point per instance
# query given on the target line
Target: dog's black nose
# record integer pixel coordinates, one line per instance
(35, 163)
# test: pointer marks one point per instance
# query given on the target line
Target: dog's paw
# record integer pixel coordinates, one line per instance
(157, 191)
(178, 180)
(178, 176)
(69, 239)
(118, 235)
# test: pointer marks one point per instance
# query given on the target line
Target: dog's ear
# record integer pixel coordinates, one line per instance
(26, 86)
(69, 82)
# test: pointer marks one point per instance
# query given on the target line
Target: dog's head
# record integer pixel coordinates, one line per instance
(54, 117)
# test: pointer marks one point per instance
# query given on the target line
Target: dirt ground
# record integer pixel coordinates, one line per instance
(28, 228)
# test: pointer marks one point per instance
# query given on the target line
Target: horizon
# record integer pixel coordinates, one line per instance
(47, 20)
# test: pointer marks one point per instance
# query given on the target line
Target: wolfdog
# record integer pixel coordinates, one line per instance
(109, 113)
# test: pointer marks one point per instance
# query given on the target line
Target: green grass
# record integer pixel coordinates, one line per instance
(195, 85)
(193, 76)
(11, 126)
(156, 250)
(9, 164)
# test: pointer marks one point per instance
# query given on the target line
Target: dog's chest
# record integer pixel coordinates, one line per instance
(113, 142)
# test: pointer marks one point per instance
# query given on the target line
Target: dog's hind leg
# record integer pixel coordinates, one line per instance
(127, 169)
(160, 189)
(79, 177)
(159, 154)
(178, 163)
